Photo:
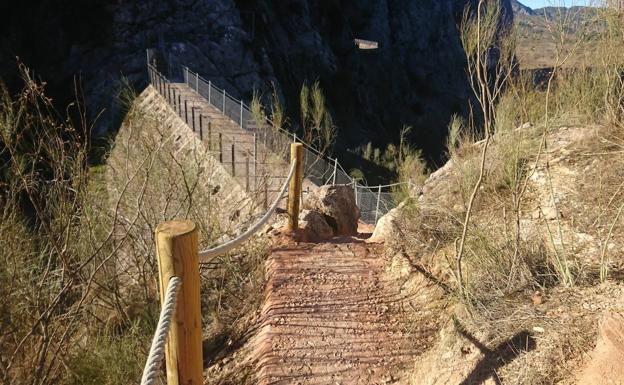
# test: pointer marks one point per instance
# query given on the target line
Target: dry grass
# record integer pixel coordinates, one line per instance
(79, 249)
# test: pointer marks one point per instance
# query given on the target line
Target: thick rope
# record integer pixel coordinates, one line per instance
(206, 255)
(157, 350)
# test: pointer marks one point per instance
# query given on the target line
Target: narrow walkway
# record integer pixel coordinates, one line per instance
(333, 316)
(244, 154)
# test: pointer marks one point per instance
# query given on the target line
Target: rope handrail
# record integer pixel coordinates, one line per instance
(206, 255)
(157, 350)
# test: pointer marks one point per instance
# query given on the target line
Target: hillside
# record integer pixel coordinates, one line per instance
(523, 324)
(543, 33)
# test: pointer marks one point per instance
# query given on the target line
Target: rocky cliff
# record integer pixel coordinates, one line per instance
(416, 77)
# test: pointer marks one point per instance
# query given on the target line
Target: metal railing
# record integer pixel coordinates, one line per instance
(373, 201)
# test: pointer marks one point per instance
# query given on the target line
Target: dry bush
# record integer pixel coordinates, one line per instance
(78, 241)
(157, 159)
(55, 242)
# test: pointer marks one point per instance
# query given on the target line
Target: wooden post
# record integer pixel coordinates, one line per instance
(179, 105)
(255, 165)
(185, 112)
(174, 100)
(176, 249)
(220, 148)
(201, 128)
(209, 135)
(233, 159)
(294, 189)
(266, 192)
(193, 117)
(247, 173)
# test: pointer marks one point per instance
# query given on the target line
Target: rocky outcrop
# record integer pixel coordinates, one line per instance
(337, 204)
(521, 9)
(415, 77)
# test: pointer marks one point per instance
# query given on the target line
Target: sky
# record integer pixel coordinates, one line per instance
(544, 3)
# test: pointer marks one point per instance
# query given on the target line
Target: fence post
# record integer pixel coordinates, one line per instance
(223, 110)
(255, 170)
(185, 111)
(266, 192)
(201, 127)
(247, 173)
(355, 190)
(233, 163)
(377, 207)
(174, 99)
(294, 189)
(197, 82)
(335, 171)
(179, 105)
(241, 113)
(209, 91)
(220, 148)
(176, 249)
(209, 135)
(193, 117)
(186, 75)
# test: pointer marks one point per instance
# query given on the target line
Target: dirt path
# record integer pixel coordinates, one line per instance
(332, 316)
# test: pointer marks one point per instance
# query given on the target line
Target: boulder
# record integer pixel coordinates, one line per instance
(314, 226)
(387, 226)
(337, 204)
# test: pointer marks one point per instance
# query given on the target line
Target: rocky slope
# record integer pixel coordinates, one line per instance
(416, 76)
(532, 317)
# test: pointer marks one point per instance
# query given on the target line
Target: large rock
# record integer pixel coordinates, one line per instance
(315, 227)
(337, 204)
(388, 226)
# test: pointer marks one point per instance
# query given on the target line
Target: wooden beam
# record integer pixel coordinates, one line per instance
(177, 249)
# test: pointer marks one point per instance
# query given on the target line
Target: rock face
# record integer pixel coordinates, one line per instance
(337, 205)
(415, 77)
(521, 9)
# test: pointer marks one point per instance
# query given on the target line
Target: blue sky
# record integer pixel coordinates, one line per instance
(544, 3)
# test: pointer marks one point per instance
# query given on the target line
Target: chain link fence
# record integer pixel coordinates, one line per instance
(373, 201)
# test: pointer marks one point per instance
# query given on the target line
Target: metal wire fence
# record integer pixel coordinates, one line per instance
(373, 201)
